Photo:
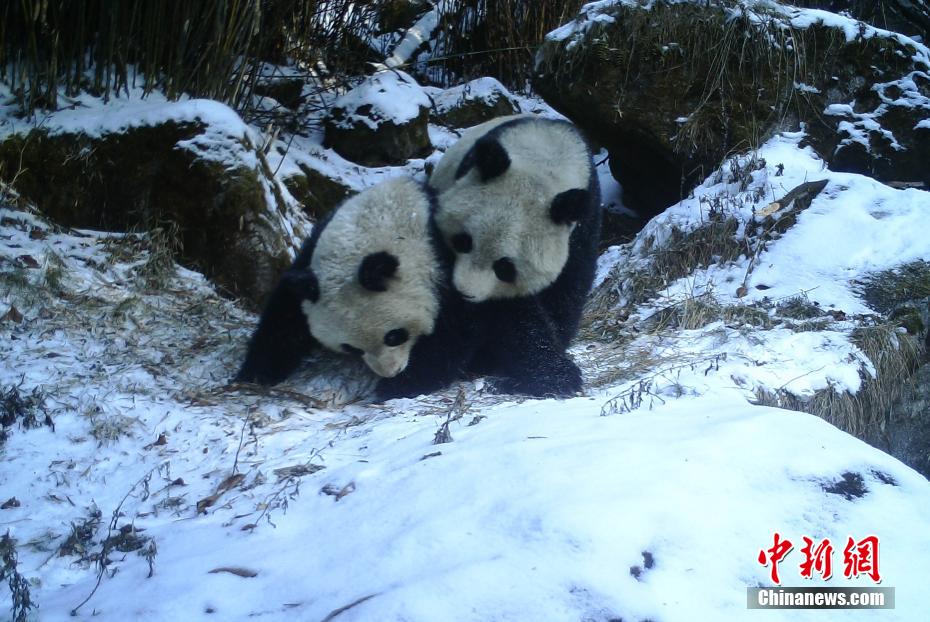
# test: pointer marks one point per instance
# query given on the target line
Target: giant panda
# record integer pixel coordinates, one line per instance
(519, 204)
(371, 281)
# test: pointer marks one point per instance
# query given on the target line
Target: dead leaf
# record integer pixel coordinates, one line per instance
(37, 234)
(297, 470)
(225, 485)
(741, 291)
(160, 441)
(769, 209)
(28, 261)
(339, 493)
(13, 315)
(245, 573)
(12, 502)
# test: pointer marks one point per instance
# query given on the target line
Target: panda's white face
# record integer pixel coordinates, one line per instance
(509, 201)
(377, 276)
(506, 244)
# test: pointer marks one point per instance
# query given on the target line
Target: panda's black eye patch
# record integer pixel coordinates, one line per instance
(351, 350)
(505, 270)
(461, 243)
(376, 269)
(396, 337)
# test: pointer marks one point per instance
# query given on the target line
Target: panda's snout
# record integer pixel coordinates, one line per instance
(474, 285)
(386, 366)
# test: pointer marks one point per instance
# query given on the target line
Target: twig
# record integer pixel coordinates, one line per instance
(107, 543)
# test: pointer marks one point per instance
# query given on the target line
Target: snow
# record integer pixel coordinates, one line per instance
(856, 226)
(484, 90)
(219, 142)
(386, 96)
(611, 191)
(536, 510)
(414, 38)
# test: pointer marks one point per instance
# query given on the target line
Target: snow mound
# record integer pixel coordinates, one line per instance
(386, 96)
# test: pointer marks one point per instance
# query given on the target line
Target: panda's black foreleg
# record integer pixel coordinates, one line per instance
(436, 361)
(522, 352)
(423, 375)
(281, 340)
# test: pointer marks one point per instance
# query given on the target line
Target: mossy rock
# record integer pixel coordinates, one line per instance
(473, 103)
(909, 17)
(899, 287)
(317, 193)
(671, 89)
(909, 318)
(140, 179)
(387, 145)
(382, 121)
(286, 91)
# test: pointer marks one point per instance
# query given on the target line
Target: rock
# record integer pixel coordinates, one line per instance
(909, 17)
(472, 103)
(397, 15)
(902, 297)
(382, 121)
(907, 435)
(671, 89)
(286, 91)
(317, 192)
(142, 177)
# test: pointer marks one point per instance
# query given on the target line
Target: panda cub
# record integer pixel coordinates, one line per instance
(519, 204)
(370, 281)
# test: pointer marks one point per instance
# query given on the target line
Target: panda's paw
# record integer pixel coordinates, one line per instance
(566, 382)
(266, 376)
(395, 388)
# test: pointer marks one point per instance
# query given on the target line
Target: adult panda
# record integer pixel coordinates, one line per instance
(519, 204)
(371, 281)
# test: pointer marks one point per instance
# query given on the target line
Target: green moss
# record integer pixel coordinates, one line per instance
(672, 89)
(138, 180)
(317, 193)
(889, 289)
(471, 112)
(909, 318)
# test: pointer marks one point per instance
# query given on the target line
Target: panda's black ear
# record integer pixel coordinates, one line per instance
(376, 269)
(569, 206)
(303, 284)
(491, 158)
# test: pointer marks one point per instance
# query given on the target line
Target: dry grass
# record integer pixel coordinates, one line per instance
(21, 602)
(163, 245)
(49, 46)
(499, 39)
(680, 255)
(893, 354)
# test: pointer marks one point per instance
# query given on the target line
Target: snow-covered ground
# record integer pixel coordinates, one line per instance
(648, 498)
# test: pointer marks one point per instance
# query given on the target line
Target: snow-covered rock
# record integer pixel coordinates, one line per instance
(193, 167)
(383, 120)
(670, 88)
(472, 103)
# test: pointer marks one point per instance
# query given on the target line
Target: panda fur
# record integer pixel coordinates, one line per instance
(371, 280)
(519, 203)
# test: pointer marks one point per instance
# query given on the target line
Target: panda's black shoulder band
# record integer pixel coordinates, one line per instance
(302, 284)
